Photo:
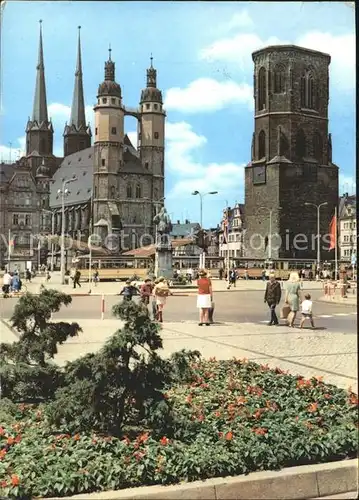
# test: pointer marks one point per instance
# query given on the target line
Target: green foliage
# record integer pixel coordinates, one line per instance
(237, 417)
(26, 368)
(124, 383)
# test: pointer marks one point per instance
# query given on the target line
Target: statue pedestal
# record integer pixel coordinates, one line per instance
(163, 261)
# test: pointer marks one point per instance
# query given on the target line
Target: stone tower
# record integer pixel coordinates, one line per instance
(39, 130)
(108, 154)
(77, 135)
(151, 136)
(291, 162)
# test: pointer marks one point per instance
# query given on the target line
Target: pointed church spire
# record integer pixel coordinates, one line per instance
(151, 75)
(78, 104)
(39, 113)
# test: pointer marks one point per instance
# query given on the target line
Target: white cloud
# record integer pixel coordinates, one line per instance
(13, 153)
(238, 49)
(182, 147)
(60, 113)
(207, 94)
(240, 19)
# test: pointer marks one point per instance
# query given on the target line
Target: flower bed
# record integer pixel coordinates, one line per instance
(235, 417)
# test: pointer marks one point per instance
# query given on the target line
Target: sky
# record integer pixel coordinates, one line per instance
(202, 53)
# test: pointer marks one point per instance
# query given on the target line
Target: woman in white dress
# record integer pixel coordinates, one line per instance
(161, 291)
(204, 297)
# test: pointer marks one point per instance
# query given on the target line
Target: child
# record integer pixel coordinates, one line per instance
(129, 290)
(307, 313)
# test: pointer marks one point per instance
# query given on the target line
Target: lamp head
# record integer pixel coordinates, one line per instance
(213, 192)
(195, 192)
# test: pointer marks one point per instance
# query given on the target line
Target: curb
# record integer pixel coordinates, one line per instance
(295, 483)
(341, 302)
(9, 327)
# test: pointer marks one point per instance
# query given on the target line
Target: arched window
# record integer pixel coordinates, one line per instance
(129, 191)
(261, 144)
(279, 79)
(155, 193)
(307, 91)
(300, 144)
(262, 89)
(113, 191)
(318, 147)
(138, 191)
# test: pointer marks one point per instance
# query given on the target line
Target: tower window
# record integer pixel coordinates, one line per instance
(155, 193)
(15, 219)
(28, 220)
(262, 89)
(147, 106)
(104, 100)
(96, 131)
(279, 80)
(156, 135)
(156, 106)
(146, 165)
(307, 91)
(113, 100)
(129, 191)
(138, 191)
(300, 144)
(113, 191)
(113, 131)
(261, 144)
(103, 162)
(318, 147)
(95, 192)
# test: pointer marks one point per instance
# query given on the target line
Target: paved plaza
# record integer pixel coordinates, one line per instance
(240, 330)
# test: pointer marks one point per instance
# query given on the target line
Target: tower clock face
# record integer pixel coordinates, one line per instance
(259, 174)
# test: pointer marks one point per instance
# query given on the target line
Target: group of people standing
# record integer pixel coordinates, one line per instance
(11, 283)
(293, 301)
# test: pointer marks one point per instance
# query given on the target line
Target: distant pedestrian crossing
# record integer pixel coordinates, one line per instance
(325, 316)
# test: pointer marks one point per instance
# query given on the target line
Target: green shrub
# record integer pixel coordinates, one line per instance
(27, 371)
(123, 385)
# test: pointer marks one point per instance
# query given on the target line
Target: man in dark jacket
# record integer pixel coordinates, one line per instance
(272, 297)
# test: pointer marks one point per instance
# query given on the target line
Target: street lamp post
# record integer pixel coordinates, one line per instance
(201, 196)
(318, 228)
(52, 236)
(270, 211)
(63, 193)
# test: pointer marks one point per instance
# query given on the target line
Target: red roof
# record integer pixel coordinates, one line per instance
(150, 250)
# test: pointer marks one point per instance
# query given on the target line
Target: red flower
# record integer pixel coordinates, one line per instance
(353, 398)
(2, 431)
(220, 435)
(257, 414)
(143, 438)
(189, 399)
(126, 440)
(76, 437)
(164, 441)
(229, 436)
(10, 440)
(2, 454)
(260, 431)
(15, 481)
(201, 418)
(327, 396)
(241, 400)
(313, 407)
(3, 484)
(18, 438)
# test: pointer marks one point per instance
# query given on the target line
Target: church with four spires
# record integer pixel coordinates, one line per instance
(118, 188)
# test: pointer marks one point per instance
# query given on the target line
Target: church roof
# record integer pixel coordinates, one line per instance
(81, 164)
(150, 250)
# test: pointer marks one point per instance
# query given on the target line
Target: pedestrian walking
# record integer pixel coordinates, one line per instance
(221, 273)
(28, 275)
(15, 283)
(204, 297)
(146, 291)
(6, 283)
(96, 278)
(48, 276)
(272, 297)
(77, 277)
(292, 297)
(307, 310)
(246, 275)
(129, 290)
(161, 291)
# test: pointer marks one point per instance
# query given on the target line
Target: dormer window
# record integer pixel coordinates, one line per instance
(113, 131)
(113, 100)
(156, 135)
(103, 162)
(147, 106)
(156, 106)
(104, 100)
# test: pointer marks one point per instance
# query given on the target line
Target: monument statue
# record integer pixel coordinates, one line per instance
(163, 222)
(163, 256)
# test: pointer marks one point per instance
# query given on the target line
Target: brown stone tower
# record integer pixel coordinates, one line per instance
(151, 136)
(77, 135)
(39, 130)
(291, 162)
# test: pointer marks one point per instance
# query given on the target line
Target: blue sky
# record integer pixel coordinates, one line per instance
(202, 52)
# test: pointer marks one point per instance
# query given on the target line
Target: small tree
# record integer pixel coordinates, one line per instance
(121, 385)
(26, 367)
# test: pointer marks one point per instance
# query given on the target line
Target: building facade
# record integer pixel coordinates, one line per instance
(291, 169)
(347, 229)
(231, 234)
(115, 190)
